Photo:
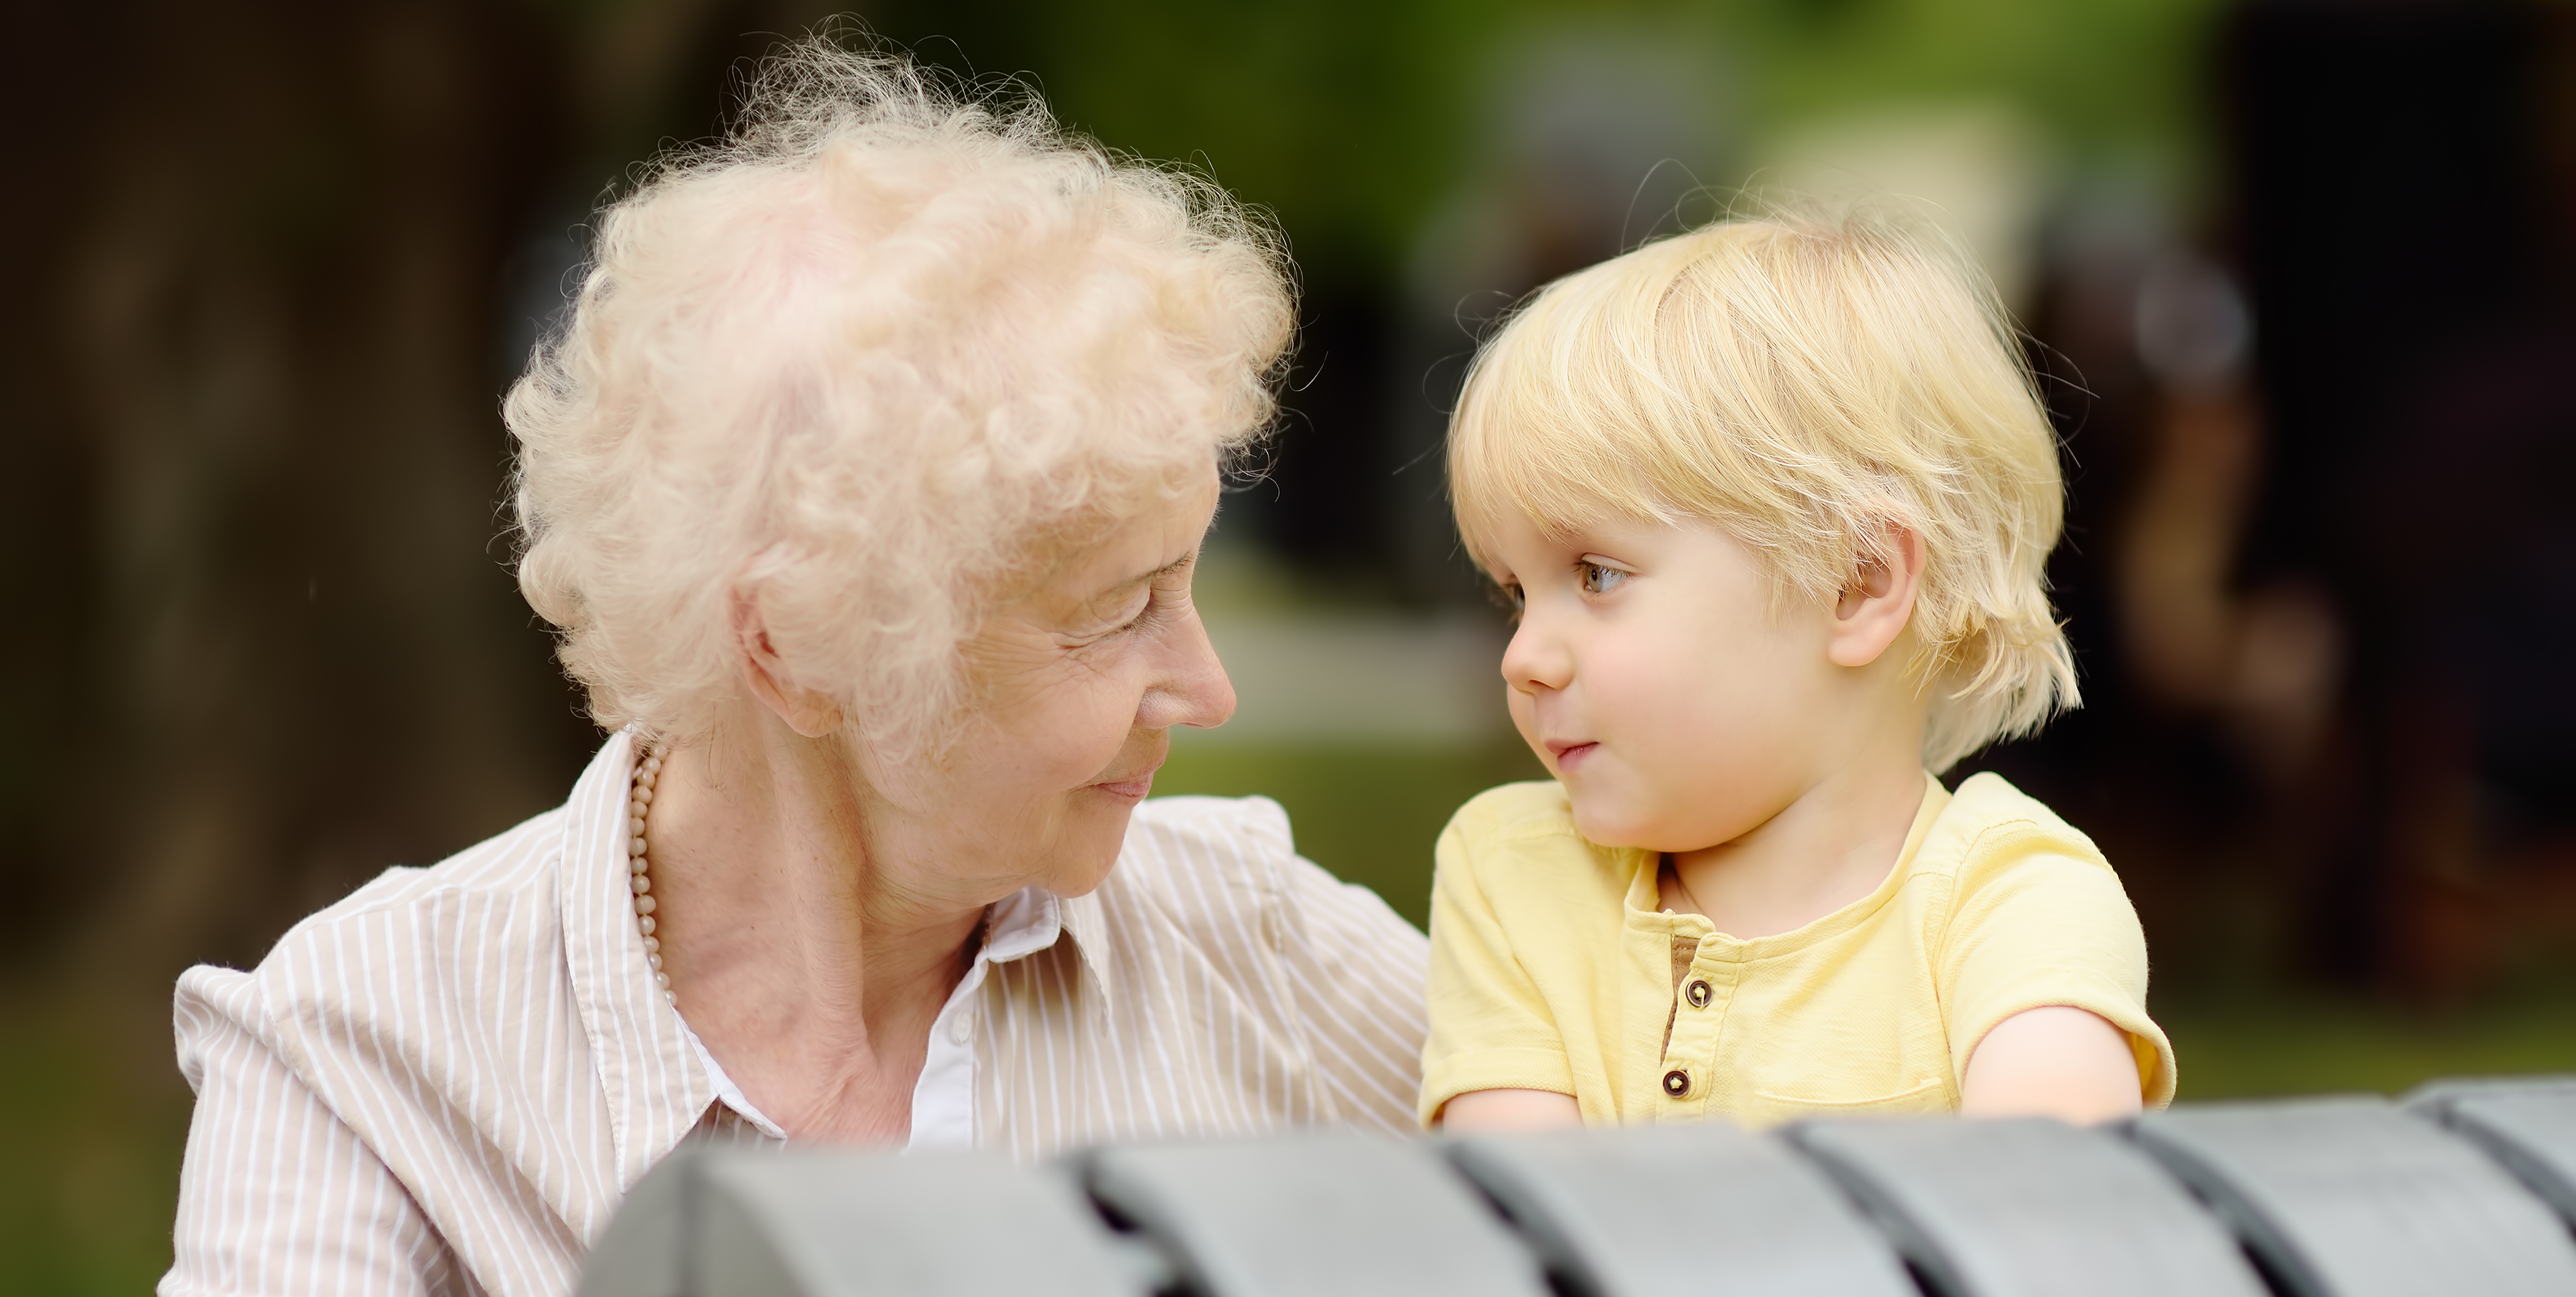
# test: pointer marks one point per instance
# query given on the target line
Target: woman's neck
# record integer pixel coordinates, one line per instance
(804, 952)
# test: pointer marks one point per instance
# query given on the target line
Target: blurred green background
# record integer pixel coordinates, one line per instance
(273, 262)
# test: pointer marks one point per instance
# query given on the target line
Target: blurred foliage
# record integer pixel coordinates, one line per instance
(1352, 119)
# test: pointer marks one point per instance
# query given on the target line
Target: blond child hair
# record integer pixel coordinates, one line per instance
(1808, 385)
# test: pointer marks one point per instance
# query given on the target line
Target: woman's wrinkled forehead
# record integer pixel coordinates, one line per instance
(1163, 518)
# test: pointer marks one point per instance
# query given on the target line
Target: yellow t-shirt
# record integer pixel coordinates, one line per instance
(1554, 967)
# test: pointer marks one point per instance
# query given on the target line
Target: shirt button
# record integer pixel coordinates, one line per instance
(1698, 992)
(962, 1028)
(1677, 1083)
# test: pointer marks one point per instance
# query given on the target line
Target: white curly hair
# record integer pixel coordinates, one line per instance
(870, 360)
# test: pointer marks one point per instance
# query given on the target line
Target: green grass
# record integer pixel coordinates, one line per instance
(90, 1136)
(2268, 1041)
(1370, 814)
(92, 1118)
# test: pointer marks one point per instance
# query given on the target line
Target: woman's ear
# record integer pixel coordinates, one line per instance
(1874, 608)
(803, 710)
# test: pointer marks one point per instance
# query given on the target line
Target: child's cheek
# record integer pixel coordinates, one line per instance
(1525, 719)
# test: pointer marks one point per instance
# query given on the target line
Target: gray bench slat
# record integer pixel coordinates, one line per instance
(2349, 1197)
(2526, 1123)
(1707, 1208)
(1330, 1214)
(836, 1223)
(2029, 1208)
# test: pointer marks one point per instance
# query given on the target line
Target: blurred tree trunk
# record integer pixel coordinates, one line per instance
(279, 324)
(266, 269)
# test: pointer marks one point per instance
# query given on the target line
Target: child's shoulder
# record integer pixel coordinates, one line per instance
(1538, 808)
(1990, 824)
(1516, 847)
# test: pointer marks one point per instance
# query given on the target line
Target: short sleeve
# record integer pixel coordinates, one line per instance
(276, 1195)
(1490, 1027)
(2029, 930)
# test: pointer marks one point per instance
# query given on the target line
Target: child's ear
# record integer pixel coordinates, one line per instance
(1873, 609)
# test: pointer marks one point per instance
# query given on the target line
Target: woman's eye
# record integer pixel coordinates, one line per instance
(1153, 599)
(1511, 595)
(1599, 578)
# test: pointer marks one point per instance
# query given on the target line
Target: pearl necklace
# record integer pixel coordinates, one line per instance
(639, 800)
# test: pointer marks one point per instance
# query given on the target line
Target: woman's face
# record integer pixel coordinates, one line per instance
(1078, 684)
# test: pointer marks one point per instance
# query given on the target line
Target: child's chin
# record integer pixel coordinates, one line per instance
(1608, 828)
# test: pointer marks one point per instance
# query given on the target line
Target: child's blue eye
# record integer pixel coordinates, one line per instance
(1599, 579)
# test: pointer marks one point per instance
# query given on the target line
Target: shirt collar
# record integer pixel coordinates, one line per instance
(1645, 902)
(658, 1080)
(1033, 918)
(649, 1072)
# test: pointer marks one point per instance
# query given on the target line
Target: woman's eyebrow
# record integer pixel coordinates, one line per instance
(1172, 568)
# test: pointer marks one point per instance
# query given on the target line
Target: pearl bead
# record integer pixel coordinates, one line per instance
(639, 800)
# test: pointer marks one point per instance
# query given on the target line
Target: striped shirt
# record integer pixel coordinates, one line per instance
(446, 1082)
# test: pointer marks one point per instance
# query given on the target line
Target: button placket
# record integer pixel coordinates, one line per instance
(1686, 1079)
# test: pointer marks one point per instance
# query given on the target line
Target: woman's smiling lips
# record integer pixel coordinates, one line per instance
(1568, 755)
(1134, 789)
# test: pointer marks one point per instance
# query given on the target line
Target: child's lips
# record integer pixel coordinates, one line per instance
(1569, 755)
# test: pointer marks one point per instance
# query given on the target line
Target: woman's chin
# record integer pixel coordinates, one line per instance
(1092, 836)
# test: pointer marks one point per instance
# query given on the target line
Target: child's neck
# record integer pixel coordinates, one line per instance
(1832, 846)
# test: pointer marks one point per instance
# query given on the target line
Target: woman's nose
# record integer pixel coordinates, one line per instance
(1535, 659)
(1194, 690)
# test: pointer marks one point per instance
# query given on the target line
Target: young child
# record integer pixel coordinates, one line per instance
(1772, 499)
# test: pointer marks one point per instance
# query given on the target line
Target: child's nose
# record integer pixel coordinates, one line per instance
(1534, 660)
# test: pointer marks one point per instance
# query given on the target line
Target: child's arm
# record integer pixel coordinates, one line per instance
(2052, 1061)
(1509, 1110)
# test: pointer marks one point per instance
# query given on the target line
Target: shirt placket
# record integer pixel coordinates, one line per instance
(1702, 1000)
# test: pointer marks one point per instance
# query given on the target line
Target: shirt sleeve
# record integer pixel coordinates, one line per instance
(1490, 1027)
(1357, 968)
(2040, 929)
(276, 1195)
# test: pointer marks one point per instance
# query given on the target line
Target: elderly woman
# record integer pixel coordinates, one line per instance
(865, 484)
